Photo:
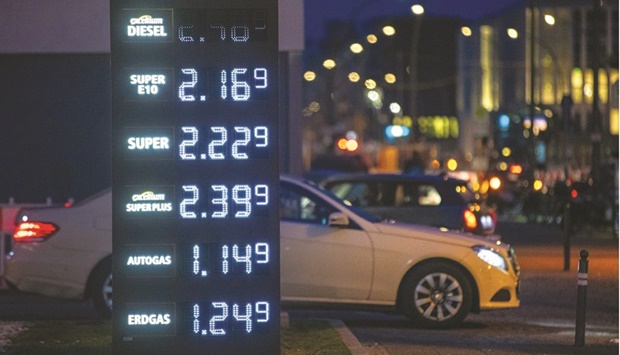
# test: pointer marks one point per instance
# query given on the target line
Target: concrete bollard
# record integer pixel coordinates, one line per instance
(582, 288)
(567, 231)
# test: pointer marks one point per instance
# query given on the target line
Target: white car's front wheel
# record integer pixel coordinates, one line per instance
(437, 295)
(101, 288)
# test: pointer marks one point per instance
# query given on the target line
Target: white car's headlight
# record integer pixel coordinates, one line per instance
(491, 257)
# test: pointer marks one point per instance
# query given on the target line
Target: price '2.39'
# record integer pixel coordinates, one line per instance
(239, 201)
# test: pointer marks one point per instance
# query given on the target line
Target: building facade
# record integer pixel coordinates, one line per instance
(539, 59)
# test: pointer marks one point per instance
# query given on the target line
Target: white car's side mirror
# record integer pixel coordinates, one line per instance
(338, 219)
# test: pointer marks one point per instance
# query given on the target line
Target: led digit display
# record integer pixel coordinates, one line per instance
(222, 25)
(213, 260)
(222, 318)
(195, 124)
(233, 84)
(197, 84)
(223, 142)
(223, 201)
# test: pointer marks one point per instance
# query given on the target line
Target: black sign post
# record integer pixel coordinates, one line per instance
(195, 176)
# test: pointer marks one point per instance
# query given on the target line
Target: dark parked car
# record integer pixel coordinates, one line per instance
(432, 200)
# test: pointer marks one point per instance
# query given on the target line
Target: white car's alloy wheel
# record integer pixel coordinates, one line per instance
(438, 297)
(437, 294)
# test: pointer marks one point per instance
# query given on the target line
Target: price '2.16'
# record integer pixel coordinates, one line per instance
(238, 201)
(236, 84)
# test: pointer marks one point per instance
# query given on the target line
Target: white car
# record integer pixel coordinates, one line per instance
(330, 254)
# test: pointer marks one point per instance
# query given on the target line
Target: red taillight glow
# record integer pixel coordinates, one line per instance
(515, 169)
(574, 193)
(470, 220)
(27, 232)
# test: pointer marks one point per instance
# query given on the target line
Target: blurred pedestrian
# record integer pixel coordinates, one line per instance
(414, 165)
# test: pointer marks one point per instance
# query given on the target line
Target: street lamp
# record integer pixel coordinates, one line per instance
(388, 30)
(329, 64)
(550, 20)
(418, 11)
(309, 75)
(356, 48)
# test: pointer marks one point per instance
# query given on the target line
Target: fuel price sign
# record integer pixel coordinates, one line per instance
(195, 176)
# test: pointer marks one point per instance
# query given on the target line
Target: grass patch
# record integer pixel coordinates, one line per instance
(63, 337)
(95, 337)
(311, 337)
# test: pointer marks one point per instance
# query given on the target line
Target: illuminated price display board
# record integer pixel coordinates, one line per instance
(195, 176)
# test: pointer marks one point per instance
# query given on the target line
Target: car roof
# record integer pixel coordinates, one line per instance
(391, 177)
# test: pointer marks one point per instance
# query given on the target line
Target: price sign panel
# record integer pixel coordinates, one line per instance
(195, 176)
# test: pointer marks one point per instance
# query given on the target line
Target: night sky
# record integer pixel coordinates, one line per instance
(55, 136)
(317, 12)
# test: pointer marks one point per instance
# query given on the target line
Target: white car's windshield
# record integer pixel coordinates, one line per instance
(358, 211)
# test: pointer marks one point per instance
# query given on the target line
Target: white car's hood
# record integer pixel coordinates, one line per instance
(438, 234)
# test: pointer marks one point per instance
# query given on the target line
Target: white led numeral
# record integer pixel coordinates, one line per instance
(225, 259)
(261, 133)
(241, 142)
(188, 84)
(218, 143)
(262, 311)
(196, 323)
(196, 262)
(188, 143)
(247, 317)
(242, 195)
(218, 318)
(247, 314)
(260, 75)
(224, 88)
(222, 201)
(262, 195)
(262, 249)
(244, 258)
(189, 201)
(240, 90)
